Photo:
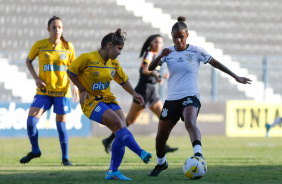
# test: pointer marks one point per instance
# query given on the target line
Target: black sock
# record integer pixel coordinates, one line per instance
(196, 142)
(111, 138)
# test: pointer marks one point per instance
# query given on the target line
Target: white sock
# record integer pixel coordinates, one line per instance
(161, 161)
(197, 149)
(277, 121)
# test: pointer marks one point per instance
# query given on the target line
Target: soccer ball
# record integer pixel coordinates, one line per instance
(195, 167)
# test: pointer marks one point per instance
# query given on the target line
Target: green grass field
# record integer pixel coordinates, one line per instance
(229, 160)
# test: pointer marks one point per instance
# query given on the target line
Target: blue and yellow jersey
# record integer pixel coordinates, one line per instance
(96, 75)
(53, 64)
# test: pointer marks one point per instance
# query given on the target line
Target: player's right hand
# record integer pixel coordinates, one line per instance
(165, 52)
(83, 95)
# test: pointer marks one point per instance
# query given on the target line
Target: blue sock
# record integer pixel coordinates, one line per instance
(118, 150)
(32, 133)
(64, 139)
(128, 140)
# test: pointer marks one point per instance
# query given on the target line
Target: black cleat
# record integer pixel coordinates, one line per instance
(66, 162)
(158, 168)
(30, 156)
(199, 155)
(170, 149)
(107, 145)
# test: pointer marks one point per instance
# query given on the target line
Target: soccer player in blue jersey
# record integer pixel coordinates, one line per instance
(53, 86)
(145, 87)
(92, 73)
(183, 99)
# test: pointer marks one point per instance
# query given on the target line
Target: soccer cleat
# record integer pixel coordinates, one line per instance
(267, 126)
(116, 175)
(30, 156)
(199, 155)
(170, 149)
(145, 156)
(66, 162)
(158, 169)
(107, 146)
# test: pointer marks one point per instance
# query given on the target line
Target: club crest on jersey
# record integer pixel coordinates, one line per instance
(180, 60)
(63, 56)
(189, 57)
(188, 101)
(113, 73)
(164, 113)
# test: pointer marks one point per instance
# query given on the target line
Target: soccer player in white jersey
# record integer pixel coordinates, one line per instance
(183, 100)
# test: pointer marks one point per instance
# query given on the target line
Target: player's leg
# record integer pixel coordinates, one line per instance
(111, 116)
(156, 108)
(134, 113)
(190, 114)
(164, 129)
(62, 108)
(269, 126)
(40, 104)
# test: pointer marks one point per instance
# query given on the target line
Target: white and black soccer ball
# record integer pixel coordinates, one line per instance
(195, 167)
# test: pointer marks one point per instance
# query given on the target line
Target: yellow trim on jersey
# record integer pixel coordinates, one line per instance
(53, 64)
(96, 75)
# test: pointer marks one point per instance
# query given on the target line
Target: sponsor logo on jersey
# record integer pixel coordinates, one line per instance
(205, 56)
(63, 56)
(113, 73)
(180, 59)
(188, 101)
(168, 58)
(54, 67)
(43, 47)
(96, 74)
(95, 63)
(100, 85)
(189, 57)
(55, 93)
(43, 90)
(164, 113)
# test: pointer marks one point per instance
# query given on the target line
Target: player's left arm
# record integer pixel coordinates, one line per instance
(220, 66)
(128, 87)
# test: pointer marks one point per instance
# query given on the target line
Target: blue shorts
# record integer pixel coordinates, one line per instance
(61, 104)
(100, 108)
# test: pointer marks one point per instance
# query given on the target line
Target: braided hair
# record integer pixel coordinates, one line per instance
(147, 45)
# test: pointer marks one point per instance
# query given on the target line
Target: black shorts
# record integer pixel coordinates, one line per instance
(172, 109)
(147, 91)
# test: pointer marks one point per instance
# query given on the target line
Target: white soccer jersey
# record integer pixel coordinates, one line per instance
(183, 68)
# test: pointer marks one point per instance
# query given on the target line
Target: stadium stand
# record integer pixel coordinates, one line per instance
(240, 28)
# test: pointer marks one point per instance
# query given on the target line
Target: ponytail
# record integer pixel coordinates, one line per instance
(180, 24)
(65, 42)
(117, 38)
